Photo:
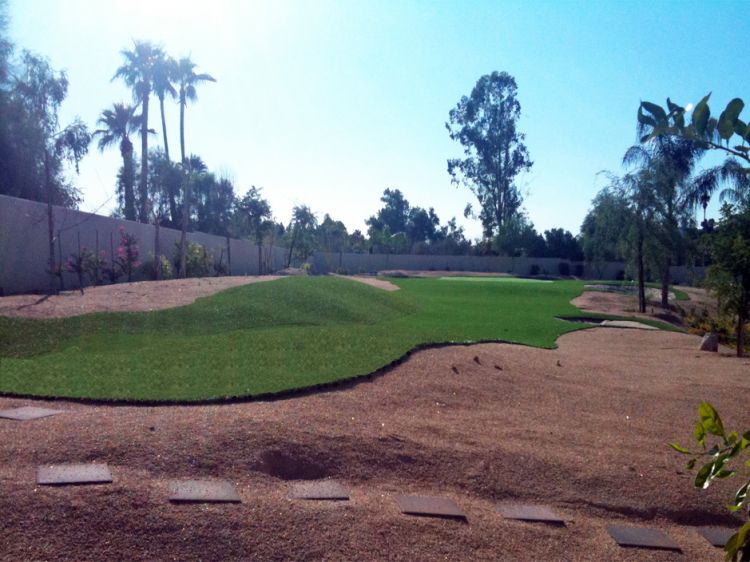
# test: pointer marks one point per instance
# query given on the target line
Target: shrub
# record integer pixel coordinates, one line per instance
(149, 268)
(78, 264)
(198, 262)
(127, 254)
(620, 275)
(564, 268)
(578, 270)
(534, 270)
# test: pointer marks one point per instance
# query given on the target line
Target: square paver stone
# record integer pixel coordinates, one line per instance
(529, 512)
(28, 413)
(203, 491)
(319, 490)
(429, 506)
(716, 535)
(642, 537)
(70, 474)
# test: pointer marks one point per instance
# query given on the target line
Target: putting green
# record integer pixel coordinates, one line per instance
(497, 279)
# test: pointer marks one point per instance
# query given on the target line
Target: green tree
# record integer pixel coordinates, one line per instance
(603, 228)
(561, 243)
(213, 204)
(670, 162)
(729, 274)
(254, 214)
(485, 123)
(118, 123)
(137, 72)
(165, 186)
(187, 80)
(193, 169)
(517, 237)
(301, 233)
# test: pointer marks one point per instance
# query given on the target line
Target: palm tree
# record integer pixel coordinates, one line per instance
(118, 123)
(165, 72)
(187, 80)
(730, 174)
(138, 73)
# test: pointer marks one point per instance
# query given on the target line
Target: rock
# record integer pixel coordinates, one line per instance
(710, 342)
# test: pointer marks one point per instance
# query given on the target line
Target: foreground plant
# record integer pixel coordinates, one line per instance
(725, 452)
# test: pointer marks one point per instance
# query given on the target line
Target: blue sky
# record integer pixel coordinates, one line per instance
(327, 103)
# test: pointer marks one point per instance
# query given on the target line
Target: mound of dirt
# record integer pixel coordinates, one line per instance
(122, 297)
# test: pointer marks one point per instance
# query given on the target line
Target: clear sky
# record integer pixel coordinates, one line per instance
(327, 103)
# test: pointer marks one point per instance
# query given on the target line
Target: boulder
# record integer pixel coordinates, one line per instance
(710, 342)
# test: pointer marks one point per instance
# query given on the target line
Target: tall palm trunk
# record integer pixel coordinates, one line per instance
(182, 124)
(164, 128)
(128, 177)
(143, 183)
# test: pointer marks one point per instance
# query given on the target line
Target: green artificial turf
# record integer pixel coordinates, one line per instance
(270, 337)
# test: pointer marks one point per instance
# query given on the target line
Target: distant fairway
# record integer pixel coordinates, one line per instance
(273, 337)
(507, 279)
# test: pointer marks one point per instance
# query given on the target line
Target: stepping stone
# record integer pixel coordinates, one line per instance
(642, 537)
(203, 491)
(28, 413)
(67, 474)
(319, 490)
(716, 535)
(429, 506)
(528, 512)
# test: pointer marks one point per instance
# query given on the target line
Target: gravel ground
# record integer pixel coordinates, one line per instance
(583, 428)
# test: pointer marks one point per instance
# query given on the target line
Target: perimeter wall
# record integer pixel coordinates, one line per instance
(24, 251)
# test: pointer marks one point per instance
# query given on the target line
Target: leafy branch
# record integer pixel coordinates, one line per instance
(716, 462)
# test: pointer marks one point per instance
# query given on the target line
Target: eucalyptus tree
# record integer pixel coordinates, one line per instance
(118, 123)
(485, 123)
(187, 79)
(165, 73)
(137, 71)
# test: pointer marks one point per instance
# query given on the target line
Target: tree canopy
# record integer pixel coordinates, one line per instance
(485, 124)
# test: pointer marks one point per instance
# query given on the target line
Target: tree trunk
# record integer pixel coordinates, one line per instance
(740, 335)
(291, 248)
(260, 256)
(641, 275)
(665, 286)
(128, 177)
(164, 128)
(741, 319)
(143, 183)
(50, 228)
(182, 125)
(183, 236)
(157, 250)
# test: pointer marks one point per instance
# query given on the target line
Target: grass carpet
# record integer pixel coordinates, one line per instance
(270, 337)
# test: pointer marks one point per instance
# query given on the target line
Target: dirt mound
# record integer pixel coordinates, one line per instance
(122, 297)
